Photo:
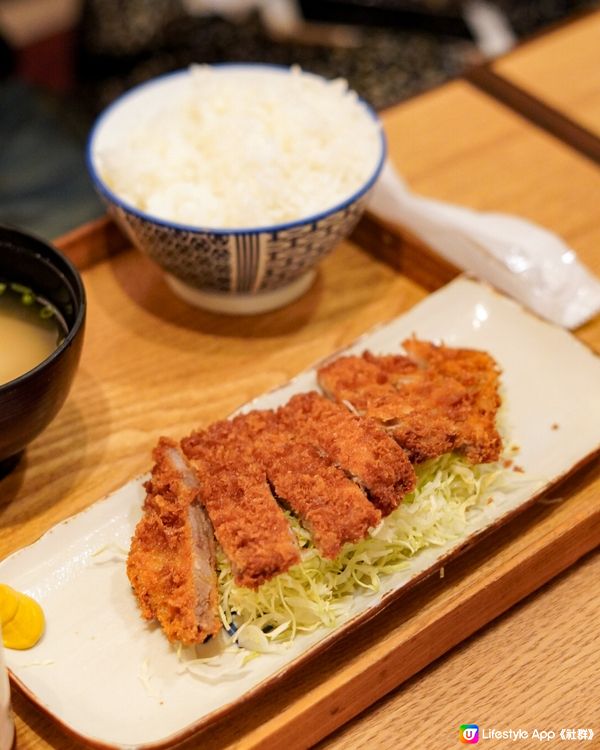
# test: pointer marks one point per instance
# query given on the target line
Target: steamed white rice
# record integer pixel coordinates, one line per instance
(238, 147)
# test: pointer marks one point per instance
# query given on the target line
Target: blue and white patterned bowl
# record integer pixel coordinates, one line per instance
(237, 271)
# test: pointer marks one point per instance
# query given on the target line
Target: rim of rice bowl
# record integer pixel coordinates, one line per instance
(102, 187)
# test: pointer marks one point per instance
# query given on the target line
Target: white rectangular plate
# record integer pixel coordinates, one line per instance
(113, 680)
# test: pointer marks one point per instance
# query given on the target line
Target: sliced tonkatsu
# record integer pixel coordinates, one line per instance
(420, 412)
(479, 374)
(249, 524)
(338, 463)
(171, 563)
(357, 445)
(433, 401)
(327, 503)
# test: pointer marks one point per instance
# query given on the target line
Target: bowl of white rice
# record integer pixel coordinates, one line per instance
(237, 178)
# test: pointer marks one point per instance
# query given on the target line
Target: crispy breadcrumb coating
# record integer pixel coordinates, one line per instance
(249, 525)
(171, 563)
(358, 445)
(329, 505)
(434, 401)
(479, 374)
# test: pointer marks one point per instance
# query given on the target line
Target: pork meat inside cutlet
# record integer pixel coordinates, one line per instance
(249, 525)
(171, 563)
(328, 504)
(434, 401)
(357, 445)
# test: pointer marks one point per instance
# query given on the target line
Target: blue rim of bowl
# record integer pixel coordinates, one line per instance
(77, 287)
(105, 191)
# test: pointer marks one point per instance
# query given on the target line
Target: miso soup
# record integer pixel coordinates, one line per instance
(30, 330)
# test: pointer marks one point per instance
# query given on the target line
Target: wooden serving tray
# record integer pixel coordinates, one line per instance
(410, 634)
(152, 365)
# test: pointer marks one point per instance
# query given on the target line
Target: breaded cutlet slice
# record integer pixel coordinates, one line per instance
(328, 504)
(420, 416)
(249, 525)
(434, 401)
(479, 374)
(355, 381)
(171, 562)
(357, 445)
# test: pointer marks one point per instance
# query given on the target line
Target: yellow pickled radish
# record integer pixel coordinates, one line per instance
(24, 623)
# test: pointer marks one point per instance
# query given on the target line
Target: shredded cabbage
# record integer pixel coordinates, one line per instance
(220, 658)
(312, 594)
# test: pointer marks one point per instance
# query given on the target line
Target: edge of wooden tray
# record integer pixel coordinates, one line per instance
(404, 252)
(92, 242)
(546, 117)
(489, 80)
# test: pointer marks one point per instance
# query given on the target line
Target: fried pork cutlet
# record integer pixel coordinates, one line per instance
(420, 415)
(355, 444)
(328, 504)
(434, 401)
(479, 373)
(249, 525)
(171, 563)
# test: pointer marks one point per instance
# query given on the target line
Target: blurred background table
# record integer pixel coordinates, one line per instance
(554, 80)
(561, 69)
(535, 666)
(62, 61)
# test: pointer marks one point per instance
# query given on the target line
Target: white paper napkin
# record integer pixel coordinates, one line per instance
(530, 263)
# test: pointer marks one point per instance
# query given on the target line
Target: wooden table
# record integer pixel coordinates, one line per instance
(536, 665)
(561, 69)
(554, 79)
